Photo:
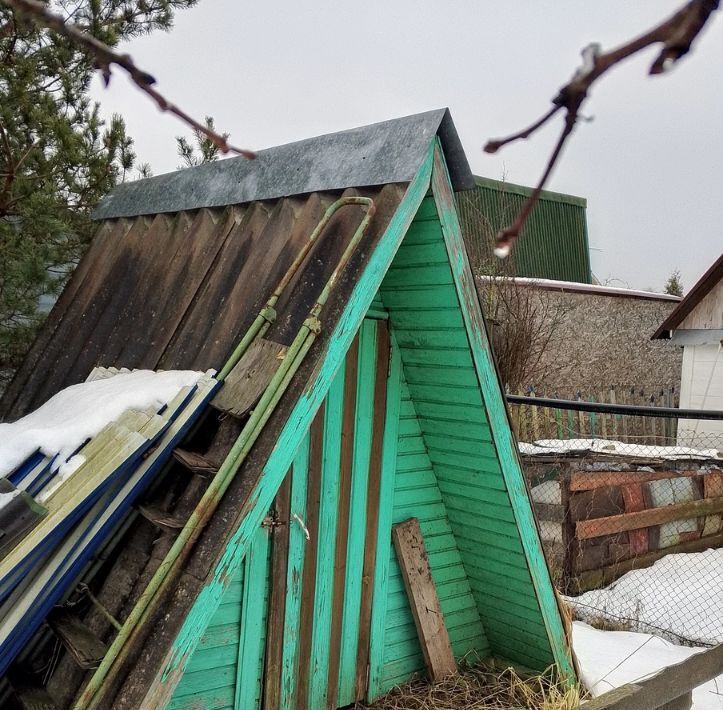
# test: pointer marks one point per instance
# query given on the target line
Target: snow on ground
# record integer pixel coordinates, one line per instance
(618, 448)
(609, 659)
(681, 594)
(79, 412)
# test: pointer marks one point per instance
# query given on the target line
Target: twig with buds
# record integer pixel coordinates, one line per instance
(676, 34)
(105, 57)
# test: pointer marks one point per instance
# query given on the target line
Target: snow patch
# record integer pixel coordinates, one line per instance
(80, 411)
(609, 659)
(618, 448)
(681, 595)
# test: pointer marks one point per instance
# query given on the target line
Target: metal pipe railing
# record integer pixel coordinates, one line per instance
(577, 405)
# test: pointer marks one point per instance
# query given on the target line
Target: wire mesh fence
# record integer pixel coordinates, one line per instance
(629, 506)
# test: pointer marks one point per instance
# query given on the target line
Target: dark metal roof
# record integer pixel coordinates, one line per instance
(382, 153)
(696, 294)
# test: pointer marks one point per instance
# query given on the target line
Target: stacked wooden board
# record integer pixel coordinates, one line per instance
(85, 507)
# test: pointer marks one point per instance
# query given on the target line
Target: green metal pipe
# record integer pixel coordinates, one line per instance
(191, 531)
(150, 597)
(267, 315)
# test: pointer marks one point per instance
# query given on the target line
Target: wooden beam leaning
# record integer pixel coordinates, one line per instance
(423, 599)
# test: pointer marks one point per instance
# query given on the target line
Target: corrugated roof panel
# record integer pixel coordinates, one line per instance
(553, 244)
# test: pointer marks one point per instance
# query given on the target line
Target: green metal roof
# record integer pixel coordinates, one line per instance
(553, 245)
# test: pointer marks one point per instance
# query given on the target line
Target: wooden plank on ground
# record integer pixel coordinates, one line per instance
(586, 529)
(423, 599)
(588, 480)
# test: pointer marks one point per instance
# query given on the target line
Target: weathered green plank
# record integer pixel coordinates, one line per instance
(431, 338)
(328, 514)
(463, 396)
(497, 412)
(444, 318)
(357, 515)
(411, 300)
(421, 254)
(449, 412)
(295, 574)
(437, 274)
(467, 430)
(442, 375)
(417, 496)
(384, 528)
(249, 669)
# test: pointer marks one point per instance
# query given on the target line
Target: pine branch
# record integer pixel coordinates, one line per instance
(105, 57)
(676, 35)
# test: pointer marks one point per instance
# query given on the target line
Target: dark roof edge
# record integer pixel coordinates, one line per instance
(377, 154)
(696, 294)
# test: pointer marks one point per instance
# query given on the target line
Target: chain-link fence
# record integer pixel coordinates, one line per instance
(630, 509)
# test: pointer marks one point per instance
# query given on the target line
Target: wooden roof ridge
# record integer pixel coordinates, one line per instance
(700, 290)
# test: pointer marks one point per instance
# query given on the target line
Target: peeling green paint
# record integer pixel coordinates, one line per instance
(296, 427)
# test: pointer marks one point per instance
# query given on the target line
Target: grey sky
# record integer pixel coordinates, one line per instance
(649, 163)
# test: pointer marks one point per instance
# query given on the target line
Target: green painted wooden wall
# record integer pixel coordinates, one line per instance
(417, 494)
(446, 473)
(210, 679)
(426, 319)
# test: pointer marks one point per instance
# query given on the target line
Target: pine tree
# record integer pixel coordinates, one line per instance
(201, 150)
(673, 285)
(57, 156)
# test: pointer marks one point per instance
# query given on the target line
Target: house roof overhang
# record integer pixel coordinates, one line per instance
(696, 294)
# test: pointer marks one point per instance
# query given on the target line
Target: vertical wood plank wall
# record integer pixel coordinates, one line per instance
(447, 474)
(211, 675)
(426, 319)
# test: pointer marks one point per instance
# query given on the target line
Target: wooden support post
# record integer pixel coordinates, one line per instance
(422, 593)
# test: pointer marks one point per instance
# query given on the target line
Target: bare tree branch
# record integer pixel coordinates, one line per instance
(676, 34)
(105, 57)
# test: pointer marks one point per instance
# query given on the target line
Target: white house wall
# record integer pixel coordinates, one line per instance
(701, 387)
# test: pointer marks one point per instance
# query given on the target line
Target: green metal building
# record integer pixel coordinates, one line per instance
(553, 244)
(292, 596)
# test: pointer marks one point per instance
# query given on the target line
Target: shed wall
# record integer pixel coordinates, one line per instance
(425, 314)
(701, 387)
(417, 494)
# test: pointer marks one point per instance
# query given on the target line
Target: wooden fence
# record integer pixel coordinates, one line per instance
(598, 524)
(532, 423)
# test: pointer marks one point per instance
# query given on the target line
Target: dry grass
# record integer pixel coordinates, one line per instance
(481, 687)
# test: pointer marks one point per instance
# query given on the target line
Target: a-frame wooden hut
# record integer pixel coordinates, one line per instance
(290, 595)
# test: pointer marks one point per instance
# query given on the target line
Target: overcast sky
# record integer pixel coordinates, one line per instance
(649, 163)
